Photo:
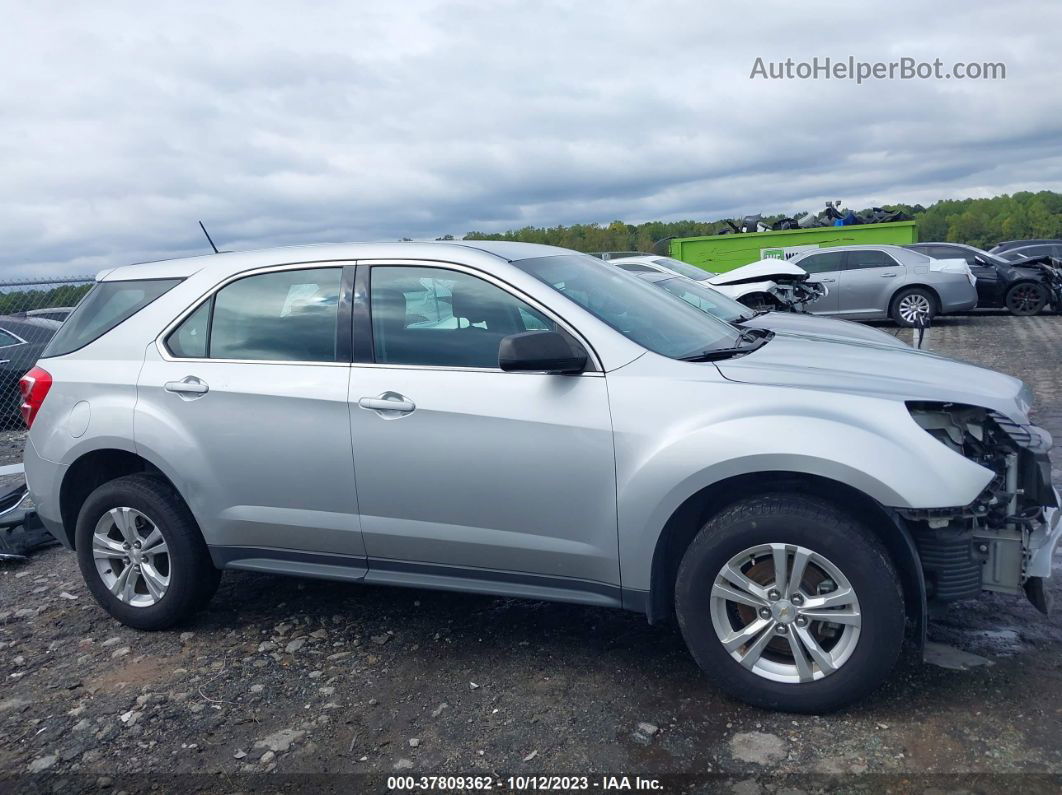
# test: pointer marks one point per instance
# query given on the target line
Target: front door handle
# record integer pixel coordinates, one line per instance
(887, 275)
(389, 405)
(831, 281)
(189, 385)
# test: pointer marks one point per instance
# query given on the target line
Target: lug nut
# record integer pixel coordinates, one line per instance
(765, 612)
(801, 621)
(781, 629)
(125, 545)
(797, 600)
(773, 595)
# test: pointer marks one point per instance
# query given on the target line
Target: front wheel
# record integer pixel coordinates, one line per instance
(141, 553)
(913, 306)
(788, 603)
(1026, 298)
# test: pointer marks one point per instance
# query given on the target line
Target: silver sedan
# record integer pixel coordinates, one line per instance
(881, 282)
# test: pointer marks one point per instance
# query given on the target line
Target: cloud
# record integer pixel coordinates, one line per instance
(287, 123)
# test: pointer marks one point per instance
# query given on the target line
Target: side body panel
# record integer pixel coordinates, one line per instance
(502, 471)
(727, 429)
(865, 291)
(264, 458)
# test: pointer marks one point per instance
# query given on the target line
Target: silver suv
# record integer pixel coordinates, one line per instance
(523, 420)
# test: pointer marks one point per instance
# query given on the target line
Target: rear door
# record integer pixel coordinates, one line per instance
(246, 402)
(825, 268)
(868, 282)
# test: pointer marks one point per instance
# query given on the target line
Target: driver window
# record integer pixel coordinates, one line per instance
(443, 318)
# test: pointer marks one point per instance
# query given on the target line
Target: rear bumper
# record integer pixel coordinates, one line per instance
(43, 479)
(958, 297)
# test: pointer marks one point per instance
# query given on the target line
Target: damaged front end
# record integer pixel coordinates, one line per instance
(1004, 540)
(794, 294)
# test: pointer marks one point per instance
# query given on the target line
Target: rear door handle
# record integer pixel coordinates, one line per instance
(831, 281)
(389, 404)
(189, 385)
(887, 275)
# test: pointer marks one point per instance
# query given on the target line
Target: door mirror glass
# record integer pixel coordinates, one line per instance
(541, 351)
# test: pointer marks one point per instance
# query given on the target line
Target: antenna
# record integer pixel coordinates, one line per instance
(209, 239)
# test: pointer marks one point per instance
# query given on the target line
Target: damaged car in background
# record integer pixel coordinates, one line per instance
(771, 284)
(714, 303)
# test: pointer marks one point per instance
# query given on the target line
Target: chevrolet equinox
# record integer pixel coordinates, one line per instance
(523, 420)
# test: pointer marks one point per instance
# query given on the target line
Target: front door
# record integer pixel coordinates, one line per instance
(248, 406)
(824, 268)
(466, 471)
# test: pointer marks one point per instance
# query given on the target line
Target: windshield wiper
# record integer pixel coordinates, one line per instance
(753, 340)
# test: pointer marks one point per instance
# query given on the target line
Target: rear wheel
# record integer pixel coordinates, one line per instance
(788, 603)
(141, 553)
(913, 304)
(1026, 298)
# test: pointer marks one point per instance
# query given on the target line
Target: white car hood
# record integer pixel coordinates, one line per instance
(763, 270)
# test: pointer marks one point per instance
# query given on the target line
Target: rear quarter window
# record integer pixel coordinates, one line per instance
(103, 308)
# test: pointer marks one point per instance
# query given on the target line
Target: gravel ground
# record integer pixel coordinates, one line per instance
(283, 676)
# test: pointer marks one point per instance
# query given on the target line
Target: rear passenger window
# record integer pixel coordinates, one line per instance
(869, 259)
(822, 263)
(189, 340)
(279, 316)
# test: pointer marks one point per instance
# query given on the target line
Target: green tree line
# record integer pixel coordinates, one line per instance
(977, 222)
(12, 300)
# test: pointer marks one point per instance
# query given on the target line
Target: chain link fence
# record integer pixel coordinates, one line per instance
(31, 311)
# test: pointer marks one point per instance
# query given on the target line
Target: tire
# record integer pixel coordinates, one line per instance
(182, 577)
(1025, 298)
(911, 301)
(862, 651)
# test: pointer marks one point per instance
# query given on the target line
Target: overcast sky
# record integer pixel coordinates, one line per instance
(280, 123)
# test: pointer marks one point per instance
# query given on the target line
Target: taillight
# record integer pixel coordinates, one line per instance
(34, 387)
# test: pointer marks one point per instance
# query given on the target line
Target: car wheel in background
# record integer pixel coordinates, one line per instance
(788, 603)
(911, 303)
(1026, 298)
(141, 553)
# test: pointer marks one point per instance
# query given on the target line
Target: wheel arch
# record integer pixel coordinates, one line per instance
(90, 471)
(933, 292)
(683, 525)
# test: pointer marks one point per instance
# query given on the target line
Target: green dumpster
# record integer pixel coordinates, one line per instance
(720, 253)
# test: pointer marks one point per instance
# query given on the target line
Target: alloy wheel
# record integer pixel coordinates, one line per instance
(1025, 299)
(131, 557)
(785, 612)
(914, 306)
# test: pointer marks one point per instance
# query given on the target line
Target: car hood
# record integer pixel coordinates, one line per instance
(900, 373)
(763, 270)
(825, 328)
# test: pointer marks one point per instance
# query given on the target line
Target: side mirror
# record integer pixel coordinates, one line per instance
(540, 351)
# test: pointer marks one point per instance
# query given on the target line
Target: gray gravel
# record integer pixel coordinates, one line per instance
(289, 676)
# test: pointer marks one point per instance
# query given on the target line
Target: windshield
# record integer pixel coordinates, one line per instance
(706, 299)
(636, 310)
(682, 268)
